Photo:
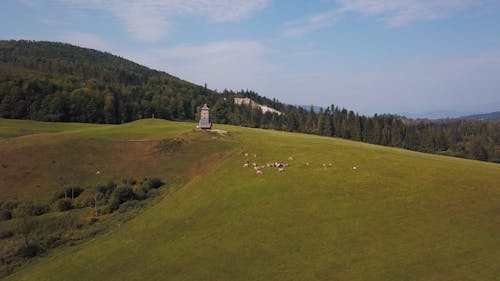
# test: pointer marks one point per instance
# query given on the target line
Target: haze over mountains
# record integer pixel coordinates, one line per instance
(493, 116)
(460, 114)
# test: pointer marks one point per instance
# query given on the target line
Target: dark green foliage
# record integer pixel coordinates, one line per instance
(6, 210)
(68, 192)
(84, 200)
(478, 140)
(30, 209)
(59, 82)
(147, 187)
(129, 181)
(106, 190)
(63, 204)
(5, 215)
(152, 183)
(9, 205)
(29, 251)
(120, 195)
(30, 234)
(6, 234)
(130, 205)
(141, 192)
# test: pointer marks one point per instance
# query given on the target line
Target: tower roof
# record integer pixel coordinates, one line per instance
(205, 106)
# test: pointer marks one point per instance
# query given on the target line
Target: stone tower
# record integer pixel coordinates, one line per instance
(205, 118)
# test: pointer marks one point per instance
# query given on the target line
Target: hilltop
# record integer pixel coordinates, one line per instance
(397, 215)
(49, 81)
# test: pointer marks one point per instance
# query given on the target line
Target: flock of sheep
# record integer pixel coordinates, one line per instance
(280, 166)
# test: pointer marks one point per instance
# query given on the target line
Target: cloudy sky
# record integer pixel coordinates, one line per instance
(367, 55)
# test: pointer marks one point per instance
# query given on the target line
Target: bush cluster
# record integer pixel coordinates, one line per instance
(68, 192)
(30, 234)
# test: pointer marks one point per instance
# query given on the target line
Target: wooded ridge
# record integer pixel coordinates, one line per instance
(51, 81)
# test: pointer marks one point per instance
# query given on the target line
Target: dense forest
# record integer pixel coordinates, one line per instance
(59, 82)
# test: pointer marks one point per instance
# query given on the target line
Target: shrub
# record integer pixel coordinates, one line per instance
(151, 183)
(85, 200)
(153, 193)
(63, 205)
(9, 205)
(129, 181)
(30, 209)
(106, 189)
(5, 215)
(130, 205)
(68, 192)
(119, 196)
(92, 220)
(29, 251)
(6, 234)
(140, 192)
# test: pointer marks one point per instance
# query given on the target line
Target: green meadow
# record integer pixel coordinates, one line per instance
(340, 210)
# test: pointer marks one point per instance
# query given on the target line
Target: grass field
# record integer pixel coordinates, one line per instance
(399, 215)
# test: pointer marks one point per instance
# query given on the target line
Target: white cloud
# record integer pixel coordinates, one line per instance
(402, 12)
(87, 40)
(223, 64)
(151, 20)
(392, 13)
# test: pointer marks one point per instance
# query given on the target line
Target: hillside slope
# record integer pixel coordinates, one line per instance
(49, 81)
(399, 215)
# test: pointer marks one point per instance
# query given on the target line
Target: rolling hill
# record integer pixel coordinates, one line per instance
(341, 210)
(50, 81)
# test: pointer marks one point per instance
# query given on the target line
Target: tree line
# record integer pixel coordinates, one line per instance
(59, 82)
(472, 139)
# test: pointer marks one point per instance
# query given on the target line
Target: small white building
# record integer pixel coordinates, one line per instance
(205, 118)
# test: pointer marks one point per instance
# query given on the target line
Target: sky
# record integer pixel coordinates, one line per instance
(371, 56)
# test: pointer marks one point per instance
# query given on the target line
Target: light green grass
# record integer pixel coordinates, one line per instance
(15, 128)
(55, 154)
(400, 215)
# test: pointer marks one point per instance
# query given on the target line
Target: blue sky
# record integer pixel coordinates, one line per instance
(369, 56)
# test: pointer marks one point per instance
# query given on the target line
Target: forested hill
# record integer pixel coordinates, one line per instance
(50, 81)
(60, 82)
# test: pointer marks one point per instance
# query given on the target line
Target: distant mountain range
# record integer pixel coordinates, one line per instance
(448, 114)
(437, 114)
(492, 116)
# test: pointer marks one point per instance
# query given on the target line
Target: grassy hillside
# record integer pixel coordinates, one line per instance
(399, 215)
